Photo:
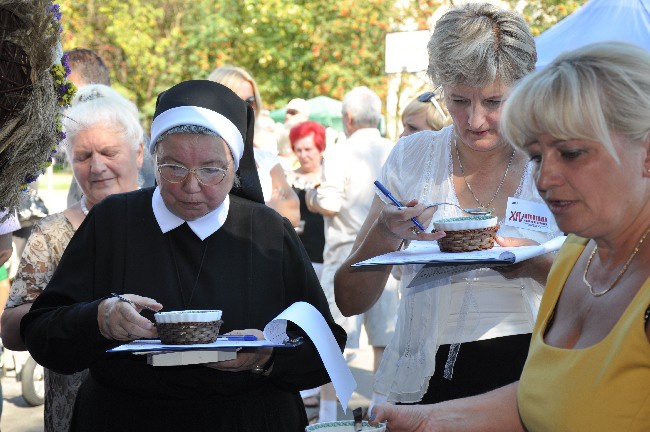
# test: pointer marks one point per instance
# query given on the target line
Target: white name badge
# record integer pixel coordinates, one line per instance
(528, 214)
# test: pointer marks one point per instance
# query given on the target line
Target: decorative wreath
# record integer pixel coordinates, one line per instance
(34, 92)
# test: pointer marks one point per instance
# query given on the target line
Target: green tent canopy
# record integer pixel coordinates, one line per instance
(324, 110)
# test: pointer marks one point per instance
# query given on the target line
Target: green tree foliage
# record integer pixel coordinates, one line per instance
(147, 44)
(303, 48)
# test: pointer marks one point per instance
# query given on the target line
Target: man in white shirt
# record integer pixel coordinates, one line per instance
(344, 199)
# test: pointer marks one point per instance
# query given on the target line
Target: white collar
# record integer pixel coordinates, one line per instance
(203, 227)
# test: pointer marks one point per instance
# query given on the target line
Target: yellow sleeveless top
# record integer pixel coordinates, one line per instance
(605, 387)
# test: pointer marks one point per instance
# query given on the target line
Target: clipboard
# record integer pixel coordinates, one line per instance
(154, 345)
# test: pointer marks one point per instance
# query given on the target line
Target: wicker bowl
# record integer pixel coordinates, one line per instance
(188, 327)
(465, 234)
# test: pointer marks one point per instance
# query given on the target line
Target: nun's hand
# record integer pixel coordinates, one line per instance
(121, 320)
(247, 358)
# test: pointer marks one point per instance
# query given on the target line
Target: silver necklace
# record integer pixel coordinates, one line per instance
(462, 172)
(82, 203)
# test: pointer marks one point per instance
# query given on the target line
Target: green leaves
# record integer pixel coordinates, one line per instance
(302, 49)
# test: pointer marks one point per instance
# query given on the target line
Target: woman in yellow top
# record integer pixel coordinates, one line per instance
(585, 121)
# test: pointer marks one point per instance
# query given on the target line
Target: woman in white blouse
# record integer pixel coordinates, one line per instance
(467, 333)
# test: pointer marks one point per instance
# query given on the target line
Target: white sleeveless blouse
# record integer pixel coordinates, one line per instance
(458, 308)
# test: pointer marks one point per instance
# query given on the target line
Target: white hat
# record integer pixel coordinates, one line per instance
(299, 105)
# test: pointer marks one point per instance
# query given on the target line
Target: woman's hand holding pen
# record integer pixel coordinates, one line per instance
(119, 317)
(397, 221)
(417, 218)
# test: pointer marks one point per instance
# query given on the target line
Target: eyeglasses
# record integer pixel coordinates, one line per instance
(252, 102)
(432, 97)
(207, 176)
(292, 112)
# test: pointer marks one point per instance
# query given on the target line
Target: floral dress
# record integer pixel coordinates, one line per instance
(49, 238)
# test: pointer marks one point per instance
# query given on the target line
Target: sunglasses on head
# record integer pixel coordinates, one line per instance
(432, 97)
(426, 97)
(292, 112)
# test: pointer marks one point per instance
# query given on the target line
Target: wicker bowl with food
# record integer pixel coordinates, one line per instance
(465, 234)
(188, 326)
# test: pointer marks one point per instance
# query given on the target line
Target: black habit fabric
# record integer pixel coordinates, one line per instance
(255, 267)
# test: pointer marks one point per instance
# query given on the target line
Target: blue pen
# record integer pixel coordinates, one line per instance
(237, 338)
(390, 196)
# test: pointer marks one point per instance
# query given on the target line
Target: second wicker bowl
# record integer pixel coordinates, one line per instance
(468, 240)
(466, 234)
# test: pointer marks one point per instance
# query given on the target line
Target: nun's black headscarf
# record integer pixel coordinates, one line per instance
(219, 99)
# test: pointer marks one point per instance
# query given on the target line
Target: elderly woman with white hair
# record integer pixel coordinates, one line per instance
(105, 149)
(201, 239)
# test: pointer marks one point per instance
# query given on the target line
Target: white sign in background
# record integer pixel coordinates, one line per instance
(407, 51)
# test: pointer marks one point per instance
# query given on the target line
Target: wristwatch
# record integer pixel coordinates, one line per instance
(264, 369)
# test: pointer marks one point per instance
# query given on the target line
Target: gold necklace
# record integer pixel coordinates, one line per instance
(620, 274)
(462, 172)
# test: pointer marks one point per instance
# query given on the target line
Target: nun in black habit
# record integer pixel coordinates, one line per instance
(201, 239)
